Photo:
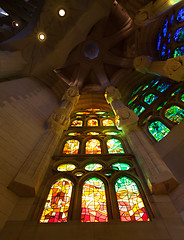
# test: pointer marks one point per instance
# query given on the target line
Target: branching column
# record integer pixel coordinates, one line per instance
(152, 10)
(158, 176)
(32, 172)
(172, 68)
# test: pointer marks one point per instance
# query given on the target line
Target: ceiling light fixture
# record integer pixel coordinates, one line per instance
(62, 12)
(41, 36)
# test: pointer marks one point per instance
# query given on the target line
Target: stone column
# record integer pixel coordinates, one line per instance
(172, 68)
(159, 178)
(28, 179)
(152, 11)
(11, 64)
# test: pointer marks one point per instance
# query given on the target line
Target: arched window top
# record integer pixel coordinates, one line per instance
(175, 114)
(92, 122)
(71, 147)
(77, 123)
(158, 130)
(94, 207)
(131, 206)
(180, 15)
(93, 167)
(93, 147)
(65, 167)
(58, 202)
(107, 122)
(179, 35)
(114, 146)
(120, 166)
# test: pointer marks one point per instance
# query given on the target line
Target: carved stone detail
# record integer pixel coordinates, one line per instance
(174, 68)
(142, 63)
(71, 95)
(112, 94)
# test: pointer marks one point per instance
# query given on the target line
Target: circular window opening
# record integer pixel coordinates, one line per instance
(91, 50)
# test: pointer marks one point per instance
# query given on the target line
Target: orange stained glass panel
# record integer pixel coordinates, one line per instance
(108, 122)
(77, 123)
(93, 146)
(71, 147)
(92, 122)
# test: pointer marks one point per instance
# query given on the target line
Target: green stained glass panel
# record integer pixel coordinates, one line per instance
(131, 206)
(93, 167)
(94, 207)
(114, 146)
(175, 92)
(175, 114)
(144, 88)
(133, 99)
(139, 109)
(150, 98)
(111, 133)
(58, 202)
(182, 97)
(66, 167)
(158, 130)
(161, 105)
(100, 113)
(120, 166)
(134, 92)
(163, 86)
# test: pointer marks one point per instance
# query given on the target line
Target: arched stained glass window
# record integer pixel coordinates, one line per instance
(65, 167)
(58, 202)
(107, 122)
(180, 15)
(120, 166)
(131, 206)
(94, 207)
(150, 98)
(158, 130)
(92, 123)
(93, 133)
(71, 147)
(114, 146)
(77, 123)
(93, 167)
(139, 109)
(179, 35)
(175, 114)
(93, 146)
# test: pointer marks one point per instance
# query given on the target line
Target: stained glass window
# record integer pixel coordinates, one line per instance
(77, 123)
(179, 35)
(169, 38)
(165, 27)
(134, 92)
(158, 130)
(82, 113)
(111, 133)
(131, 206)
(145, 87)
(180, 15)
(163, 86)
(58, 202)
(71, 147)
(139, 109)
(93, 167)
(74, 134)
(161, 105)
(100, 113)
(159, 41)
(150, 98)
(172, 19)
(182, 97)
(168, 53)
(175, 114)
(147, 119)
(66, 167)
(175, 92)
(179, 51)
(92, 123)
(94, 208)
(92, 133)
(114, 146)
(120, 166)
(93, 147)
(108, 122)
(163, 51)
(133, 99)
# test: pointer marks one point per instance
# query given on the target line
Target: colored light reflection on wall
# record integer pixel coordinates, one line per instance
(93, 147)
(94, 207)
(131, 206)
(71, 147)
(114, 146)
(58, 202)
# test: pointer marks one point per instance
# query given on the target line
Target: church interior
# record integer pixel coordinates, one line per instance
(91, 119)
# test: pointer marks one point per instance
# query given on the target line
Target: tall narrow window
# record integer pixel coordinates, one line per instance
(58, 202)
(93, 147)
(131, 206)
(94, 208)
(114, 146)
(71, 147)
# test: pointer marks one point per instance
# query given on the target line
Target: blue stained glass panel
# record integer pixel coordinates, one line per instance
(139, 109)
(179, 51)
(163, 51)
(165, 27)
(172, 19)
(163, 86)
(168, 53)
(179, 35)
(159, 41)
(169, 38)
(150, 98)
(180, 15)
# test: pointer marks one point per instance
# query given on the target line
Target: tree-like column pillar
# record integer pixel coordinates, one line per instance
(172, 68)
(159, 178)
(27, 181)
